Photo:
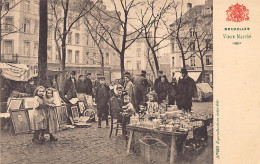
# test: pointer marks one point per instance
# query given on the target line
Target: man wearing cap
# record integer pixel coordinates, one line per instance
(158, 79)
(70, 86)
(186, 90)
(141, 85)
(102, 98)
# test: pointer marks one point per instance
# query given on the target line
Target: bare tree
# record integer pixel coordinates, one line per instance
(122, 21)
(8, 28)
(94, 28)
(153, 19)
(183, 39)
(65, 15)
(204, 37)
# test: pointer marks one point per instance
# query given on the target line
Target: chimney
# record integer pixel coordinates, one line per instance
(189, 6)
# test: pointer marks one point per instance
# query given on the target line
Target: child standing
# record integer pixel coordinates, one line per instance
(52, 122)
(39, 122)
(102, 98)
(127, 111)
(152, 105)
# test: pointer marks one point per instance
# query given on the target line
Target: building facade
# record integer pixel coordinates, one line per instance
(82, 54)
(136, 59)
(198, 23)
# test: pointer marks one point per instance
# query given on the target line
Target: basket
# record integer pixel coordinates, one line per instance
(153, 149)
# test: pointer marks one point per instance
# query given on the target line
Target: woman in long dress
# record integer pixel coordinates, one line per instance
(38, 122)
(52, 121)
(129, 87)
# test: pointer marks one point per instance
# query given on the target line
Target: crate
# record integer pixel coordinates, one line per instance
(153, 149)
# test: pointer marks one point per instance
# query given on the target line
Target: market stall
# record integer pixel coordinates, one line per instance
(179, 126)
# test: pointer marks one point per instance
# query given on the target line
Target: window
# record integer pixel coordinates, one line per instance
(138, 52)
(35, 49)
(172, 46)
(69, 59)
(192, 60)
(57, 53)
(26, 26)
(87, 38)
(36, 27)
(86, 58)
(8, 47)
(173, 62)
(209, 45)
(107, 59)
(207, 78)
(128, 65)
(26, 48)
(76, 56)
(192, 32)
(6, 6)
(77, 38)
(69, 37)
(138, 65)
(209, 60)
(192, 46)
(94, 58)
(49, 52)
(26, 6)
(9, 24)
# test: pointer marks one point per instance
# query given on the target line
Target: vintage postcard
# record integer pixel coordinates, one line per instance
(155, 81)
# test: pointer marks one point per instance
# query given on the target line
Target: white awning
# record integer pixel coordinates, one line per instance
(16, 72)
(115, 75)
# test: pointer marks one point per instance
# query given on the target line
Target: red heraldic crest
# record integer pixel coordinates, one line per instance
(237, 13)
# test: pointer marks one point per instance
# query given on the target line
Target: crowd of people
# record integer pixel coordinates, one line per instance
(128, 97)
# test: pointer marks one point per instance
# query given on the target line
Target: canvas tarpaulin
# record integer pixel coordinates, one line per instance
(204, 91)
(16, 72)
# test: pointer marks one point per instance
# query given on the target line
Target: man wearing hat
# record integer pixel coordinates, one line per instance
(186, 90)
(158, 79)
(70, 86)
(141, 85)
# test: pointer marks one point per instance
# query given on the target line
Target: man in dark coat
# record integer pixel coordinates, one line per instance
(88, 84)
(186, 90)
(70, 86)
(102, 98)
(158, 79)
(141, 85)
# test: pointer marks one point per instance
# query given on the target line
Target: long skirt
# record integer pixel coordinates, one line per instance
(39, 120)
(52, 120)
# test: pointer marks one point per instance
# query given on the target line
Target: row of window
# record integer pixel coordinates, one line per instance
(209, 61)
(129, 65)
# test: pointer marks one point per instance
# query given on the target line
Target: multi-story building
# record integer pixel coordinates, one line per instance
(197, 19)
(82, 55)
(136, 59)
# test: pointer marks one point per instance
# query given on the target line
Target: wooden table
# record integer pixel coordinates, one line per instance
(173, 135)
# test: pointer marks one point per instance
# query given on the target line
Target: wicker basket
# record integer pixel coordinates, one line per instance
(153, 149)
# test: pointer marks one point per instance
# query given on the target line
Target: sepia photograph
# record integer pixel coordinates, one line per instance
(140, 71)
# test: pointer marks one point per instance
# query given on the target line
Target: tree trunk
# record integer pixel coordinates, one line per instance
(42, 56)
(122, 64)
(62, 66)
(102, 62)
(155, 61)
(202, 70)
